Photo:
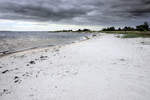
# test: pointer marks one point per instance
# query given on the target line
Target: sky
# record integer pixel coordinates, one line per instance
(49, 15)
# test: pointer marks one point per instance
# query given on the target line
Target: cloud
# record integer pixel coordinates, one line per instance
(39, 12)
(133, 8)
(88, 12)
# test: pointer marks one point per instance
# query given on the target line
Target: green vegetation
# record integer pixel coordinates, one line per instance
(135, 35)
(143, 27)
(127, 32)
(130, 32)
(79, 31)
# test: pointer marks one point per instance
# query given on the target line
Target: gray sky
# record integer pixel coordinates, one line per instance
(74, 13)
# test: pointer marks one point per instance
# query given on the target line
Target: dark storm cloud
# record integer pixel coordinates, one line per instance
(134, 8)
(100, 12)
(39, 12)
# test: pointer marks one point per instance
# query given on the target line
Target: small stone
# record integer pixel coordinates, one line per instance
(16, 77)
(122, 59)
(27, 65)
(5, 90)
(5, 71)
(32, 62)
(142, 42)
(43, 57)
(94, 35)
(16, 81)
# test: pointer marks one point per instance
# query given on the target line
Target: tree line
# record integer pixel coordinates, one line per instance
(143, 27)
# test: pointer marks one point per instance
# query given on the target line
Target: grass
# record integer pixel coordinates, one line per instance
(134, 35)
(131, 34)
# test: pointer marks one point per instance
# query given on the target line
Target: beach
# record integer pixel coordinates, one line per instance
(104, 67)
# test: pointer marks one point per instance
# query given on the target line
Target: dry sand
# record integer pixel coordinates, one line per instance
(102, 68)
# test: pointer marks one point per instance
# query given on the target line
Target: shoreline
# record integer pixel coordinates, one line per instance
(85, 38)
(15, 41)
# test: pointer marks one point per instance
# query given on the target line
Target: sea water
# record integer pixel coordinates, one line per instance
(18, 41)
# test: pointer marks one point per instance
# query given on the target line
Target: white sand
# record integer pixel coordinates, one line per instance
(104, 68)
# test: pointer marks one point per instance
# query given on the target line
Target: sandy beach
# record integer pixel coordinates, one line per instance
(102, 68)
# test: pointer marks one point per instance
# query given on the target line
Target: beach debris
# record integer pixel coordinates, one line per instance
(27, 65)
(43, 57)
(27, 74)
(5, 91)
(5, 71)
(94, 35)
(32, 62)
(122, 59)
(17, 79)
(37, 74)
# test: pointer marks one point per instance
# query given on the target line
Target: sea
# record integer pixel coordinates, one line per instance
(15, 41)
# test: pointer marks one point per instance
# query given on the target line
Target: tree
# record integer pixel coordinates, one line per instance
(125, 28)
(119, 29)
(144, 27)
(109, 29)
(86, 30)
(112, 29)
(128, 28)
